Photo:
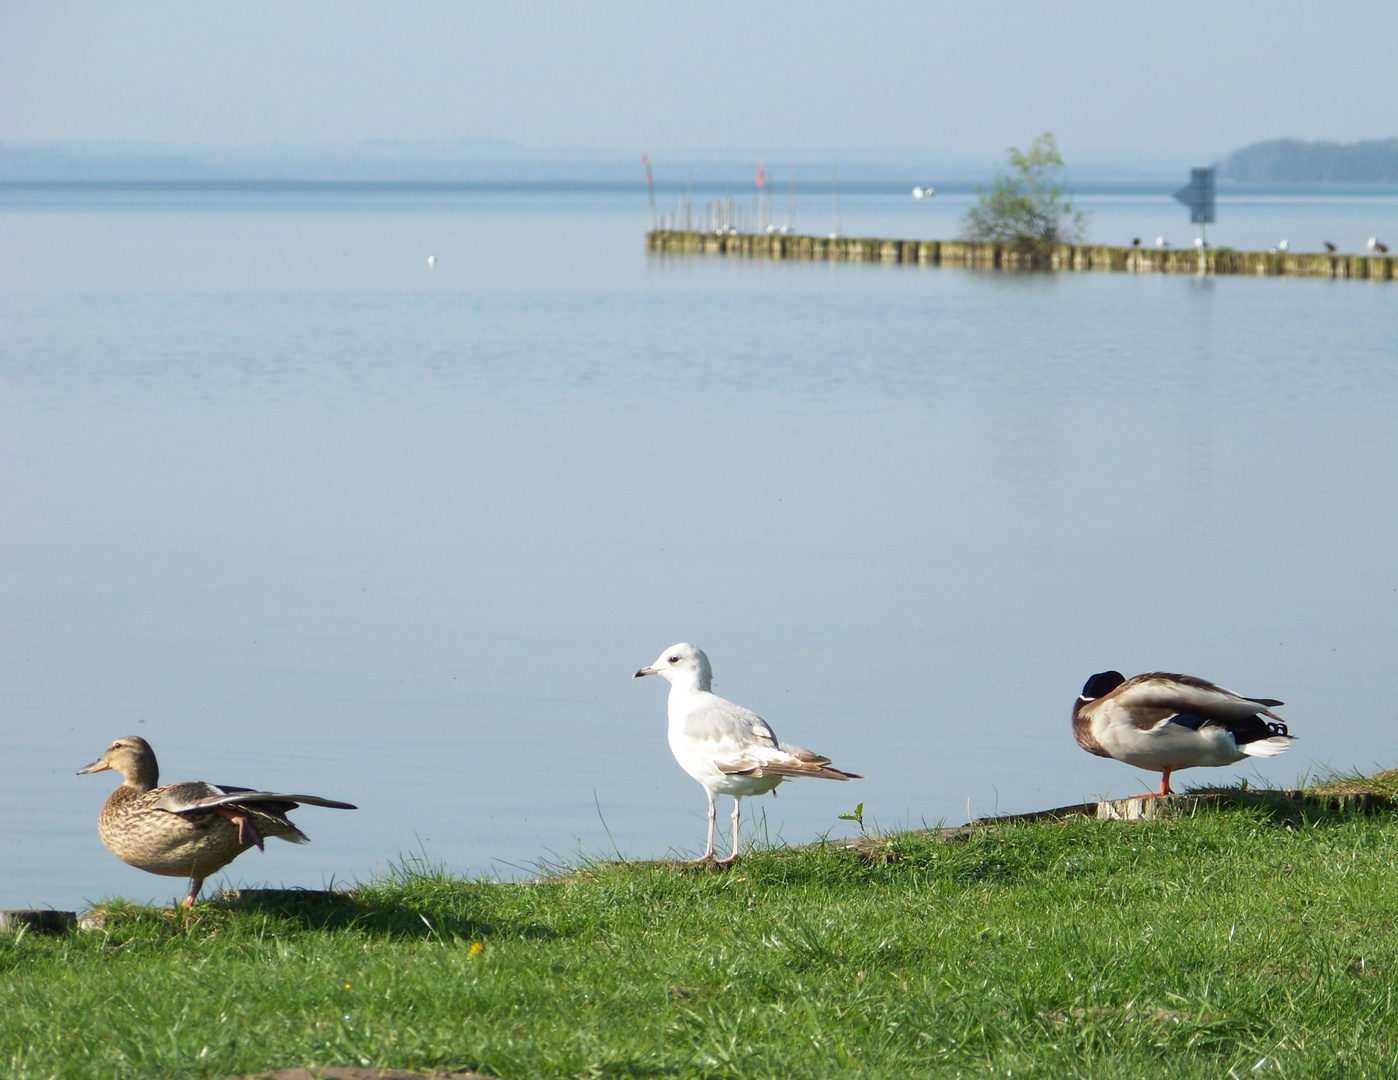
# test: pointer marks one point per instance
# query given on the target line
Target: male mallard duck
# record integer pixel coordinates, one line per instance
(728, 749)
(1164, 722)
(188, 830)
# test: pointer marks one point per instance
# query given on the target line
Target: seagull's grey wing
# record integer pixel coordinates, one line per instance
(730, 727)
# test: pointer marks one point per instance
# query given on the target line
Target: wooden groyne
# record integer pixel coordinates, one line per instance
(992, 256)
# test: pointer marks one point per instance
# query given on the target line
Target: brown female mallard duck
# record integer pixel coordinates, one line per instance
(188, 830)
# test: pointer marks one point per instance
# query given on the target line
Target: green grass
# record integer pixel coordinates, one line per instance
(1180, 948)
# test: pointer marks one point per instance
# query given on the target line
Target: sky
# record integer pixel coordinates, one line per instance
(1117, 79)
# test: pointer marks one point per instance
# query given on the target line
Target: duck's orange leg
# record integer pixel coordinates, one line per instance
(195, 884)
(247, 833)
(1164, 787)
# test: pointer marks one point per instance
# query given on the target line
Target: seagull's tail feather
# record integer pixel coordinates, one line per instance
(795, 767)
(800, 752)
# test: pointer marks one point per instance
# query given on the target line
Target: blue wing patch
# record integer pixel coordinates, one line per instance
(1190, 720)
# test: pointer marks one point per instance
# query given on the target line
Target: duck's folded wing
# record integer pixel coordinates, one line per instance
(188, 797)
(1190, 696)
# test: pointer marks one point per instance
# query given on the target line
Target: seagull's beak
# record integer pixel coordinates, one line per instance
(100, 765)
(643, 672)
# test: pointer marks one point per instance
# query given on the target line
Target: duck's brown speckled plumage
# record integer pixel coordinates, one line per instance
(188, 830)
(190, 845)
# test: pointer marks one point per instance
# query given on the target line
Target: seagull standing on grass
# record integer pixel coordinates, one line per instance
(728, 749)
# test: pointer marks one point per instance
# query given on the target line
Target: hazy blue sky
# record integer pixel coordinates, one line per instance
(1110, 78)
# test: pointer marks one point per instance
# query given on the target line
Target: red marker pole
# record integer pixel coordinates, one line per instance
(761, 182)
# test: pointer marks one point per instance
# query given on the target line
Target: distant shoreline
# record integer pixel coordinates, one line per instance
(698, 187)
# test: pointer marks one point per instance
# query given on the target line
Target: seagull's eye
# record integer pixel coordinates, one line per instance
(674, 660)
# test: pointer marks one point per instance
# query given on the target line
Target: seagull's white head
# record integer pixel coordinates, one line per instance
(682, 665)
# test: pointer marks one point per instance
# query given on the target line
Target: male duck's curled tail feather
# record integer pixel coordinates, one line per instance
(1275, 744)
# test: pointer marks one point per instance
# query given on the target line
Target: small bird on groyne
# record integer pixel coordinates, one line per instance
(728, 749)
(188, 830)
(1375, 245)
(1164, 722)
(1161, 242)
(1329, 248)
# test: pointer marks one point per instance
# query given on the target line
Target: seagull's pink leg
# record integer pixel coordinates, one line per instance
(737, 813)
(708, 855)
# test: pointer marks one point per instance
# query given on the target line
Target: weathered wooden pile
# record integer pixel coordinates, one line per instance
(995, 256)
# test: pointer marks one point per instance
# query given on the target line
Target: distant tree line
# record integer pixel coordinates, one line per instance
(1291, 161)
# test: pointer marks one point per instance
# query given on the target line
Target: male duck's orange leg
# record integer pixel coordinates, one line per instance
(1164, 787)
(247, 833)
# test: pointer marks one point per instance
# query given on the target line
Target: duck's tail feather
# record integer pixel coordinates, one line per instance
(1277, 744)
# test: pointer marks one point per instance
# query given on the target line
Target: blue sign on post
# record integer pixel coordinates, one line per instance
(1198, 195)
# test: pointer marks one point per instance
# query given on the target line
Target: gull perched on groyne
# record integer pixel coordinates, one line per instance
(727, 748)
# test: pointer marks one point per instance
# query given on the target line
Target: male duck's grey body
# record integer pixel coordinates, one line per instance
(1163, 721)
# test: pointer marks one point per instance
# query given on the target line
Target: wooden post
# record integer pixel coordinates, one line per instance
(38, 921)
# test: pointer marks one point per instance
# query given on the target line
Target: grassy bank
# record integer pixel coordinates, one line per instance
(1230, 943)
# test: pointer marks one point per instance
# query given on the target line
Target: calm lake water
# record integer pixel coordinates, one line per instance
(311, 516)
